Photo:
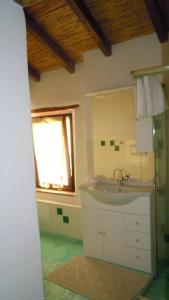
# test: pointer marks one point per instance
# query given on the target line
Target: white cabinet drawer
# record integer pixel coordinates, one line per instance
(137, 240)
(137, 223)
(138, 259)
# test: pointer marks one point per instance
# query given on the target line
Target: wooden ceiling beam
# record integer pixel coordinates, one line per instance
(27, 3)
(158, 19)
(47, 41)
(164, 4)
(88, 21)
(33, 73)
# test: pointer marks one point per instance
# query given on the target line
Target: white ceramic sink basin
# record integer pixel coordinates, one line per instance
(115, 194)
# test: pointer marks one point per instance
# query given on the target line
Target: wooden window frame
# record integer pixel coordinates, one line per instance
(51, 112)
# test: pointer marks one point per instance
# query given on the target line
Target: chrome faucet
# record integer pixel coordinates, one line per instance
(122, 178)
(125, 178)
(122, 181)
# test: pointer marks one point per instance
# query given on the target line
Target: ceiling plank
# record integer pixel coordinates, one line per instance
(33, 73)
(158, 20)
(27, 3)
(91, 25)
(47, 41)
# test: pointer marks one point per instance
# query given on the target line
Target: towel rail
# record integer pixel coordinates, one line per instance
(149, 71)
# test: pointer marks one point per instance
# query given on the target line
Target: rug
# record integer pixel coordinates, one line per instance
(99, 280)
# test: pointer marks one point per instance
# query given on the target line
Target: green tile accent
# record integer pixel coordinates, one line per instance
(65, 219)
(117, 148)
(112, 142)
(59, 211)
(102, 143)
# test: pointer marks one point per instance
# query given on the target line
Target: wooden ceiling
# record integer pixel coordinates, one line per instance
(60, 31)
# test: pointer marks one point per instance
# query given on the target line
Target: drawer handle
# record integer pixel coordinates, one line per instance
(100, 232)
(138, 257)
(137, 223)
(137, 240)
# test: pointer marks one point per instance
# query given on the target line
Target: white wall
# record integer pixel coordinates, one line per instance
(20, 263)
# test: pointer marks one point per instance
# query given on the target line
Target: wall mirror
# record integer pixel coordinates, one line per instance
(114, 135)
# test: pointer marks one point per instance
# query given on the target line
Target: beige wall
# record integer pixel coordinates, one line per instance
(58, 88)
(51, 221)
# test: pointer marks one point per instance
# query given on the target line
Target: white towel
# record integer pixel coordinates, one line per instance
(150, 102)
(150, 97)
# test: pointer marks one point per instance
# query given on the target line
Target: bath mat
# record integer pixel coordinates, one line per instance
(99, 280)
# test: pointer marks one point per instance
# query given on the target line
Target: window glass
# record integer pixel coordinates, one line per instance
(53, 149)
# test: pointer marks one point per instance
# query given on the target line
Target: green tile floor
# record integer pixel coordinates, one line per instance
(56, 250)
(159, 289)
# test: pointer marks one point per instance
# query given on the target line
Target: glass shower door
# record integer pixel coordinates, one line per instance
(161, 191)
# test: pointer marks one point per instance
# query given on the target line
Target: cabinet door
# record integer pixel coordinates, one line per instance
(113, 232)
(92, 237)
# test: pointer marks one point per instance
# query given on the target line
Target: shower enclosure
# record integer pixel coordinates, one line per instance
(161, 192)
(161, 178)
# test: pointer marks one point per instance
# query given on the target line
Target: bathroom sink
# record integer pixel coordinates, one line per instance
(115, 194)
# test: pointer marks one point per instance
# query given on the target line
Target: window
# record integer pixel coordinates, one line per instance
(53, 150)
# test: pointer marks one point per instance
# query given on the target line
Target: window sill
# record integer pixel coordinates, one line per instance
(56, 192)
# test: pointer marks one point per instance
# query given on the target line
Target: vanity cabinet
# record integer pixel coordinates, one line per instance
(138, 242)
(101, 238)
(119, 234)
(92, 233)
